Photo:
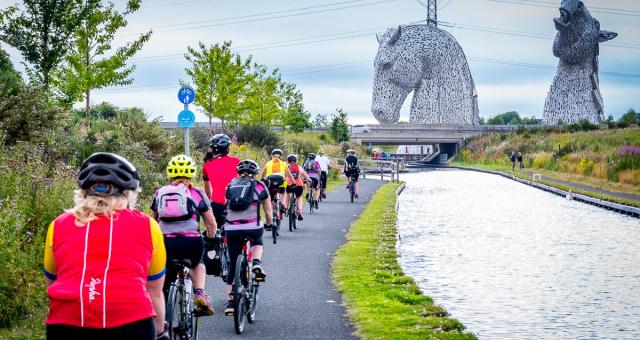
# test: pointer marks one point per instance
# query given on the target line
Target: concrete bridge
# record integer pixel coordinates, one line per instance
(446, 139)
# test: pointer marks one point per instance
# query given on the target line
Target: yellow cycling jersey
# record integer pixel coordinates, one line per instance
(275, 167)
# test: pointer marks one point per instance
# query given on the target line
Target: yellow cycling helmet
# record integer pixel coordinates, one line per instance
(181, 166)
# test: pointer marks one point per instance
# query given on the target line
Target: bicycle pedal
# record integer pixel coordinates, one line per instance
(260, 277)
(231, 313)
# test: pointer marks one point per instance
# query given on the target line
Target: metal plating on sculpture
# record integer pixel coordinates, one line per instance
(429, 61)
(575, 92)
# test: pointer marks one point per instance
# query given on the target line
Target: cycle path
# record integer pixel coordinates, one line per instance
(299, 299)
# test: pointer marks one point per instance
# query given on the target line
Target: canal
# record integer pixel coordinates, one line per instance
(513, 262)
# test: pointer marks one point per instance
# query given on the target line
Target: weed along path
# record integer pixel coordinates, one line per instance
(299, 299)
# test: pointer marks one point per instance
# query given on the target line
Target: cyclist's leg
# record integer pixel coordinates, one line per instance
(284, 199)
(255, 236)
(316, 183)
(219, 213)
(299, 191)
(356, 185)
(323, 183)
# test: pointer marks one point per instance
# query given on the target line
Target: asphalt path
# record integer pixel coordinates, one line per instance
(299, 299)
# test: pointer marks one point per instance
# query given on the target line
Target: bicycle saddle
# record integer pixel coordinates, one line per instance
(181, 262)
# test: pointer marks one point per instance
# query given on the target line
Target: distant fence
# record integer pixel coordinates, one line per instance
(374, 168)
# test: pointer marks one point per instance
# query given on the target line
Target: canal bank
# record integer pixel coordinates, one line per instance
(382, 301)
(583, 195)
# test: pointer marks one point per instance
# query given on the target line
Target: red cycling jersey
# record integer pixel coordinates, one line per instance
(100, 270)
(219, 172)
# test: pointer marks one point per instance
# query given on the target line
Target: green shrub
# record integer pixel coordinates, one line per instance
(259, 136)
(301, 145)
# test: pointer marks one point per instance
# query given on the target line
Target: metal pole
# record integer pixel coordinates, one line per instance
(186, 141)
(186, 135)
(381, 172)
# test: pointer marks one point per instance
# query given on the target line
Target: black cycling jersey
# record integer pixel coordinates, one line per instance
(351, 162)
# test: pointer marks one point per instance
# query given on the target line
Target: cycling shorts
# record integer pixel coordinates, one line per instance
(182, 247)
(142, 329)
(315, 183)
(297, 190)
(276, 183)
(234, 245)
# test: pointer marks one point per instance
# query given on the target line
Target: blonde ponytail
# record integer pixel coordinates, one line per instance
(88, 208)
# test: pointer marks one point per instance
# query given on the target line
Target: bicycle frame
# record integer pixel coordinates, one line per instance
(181, 296)
(245, 289)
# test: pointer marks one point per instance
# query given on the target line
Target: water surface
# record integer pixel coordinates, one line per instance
(514, 262)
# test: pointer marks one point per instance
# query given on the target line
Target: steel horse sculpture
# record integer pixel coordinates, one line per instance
(430, 62)
(575, 92)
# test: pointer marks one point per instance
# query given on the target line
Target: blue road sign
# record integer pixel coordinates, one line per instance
(186, 118)
(186, 95)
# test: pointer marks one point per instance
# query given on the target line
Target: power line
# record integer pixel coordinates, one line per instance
(266, 16)
(603, 10)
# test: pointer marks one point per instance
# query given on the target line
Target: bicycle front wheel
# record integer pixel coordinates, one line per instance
(251, 314)
(239, 312)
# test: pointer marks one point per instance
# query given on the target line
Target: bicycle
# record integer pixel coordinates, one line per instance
(352, 187)
(292, 211)
(275, 228)
(180, 304)
(311, 199)
(245, 289)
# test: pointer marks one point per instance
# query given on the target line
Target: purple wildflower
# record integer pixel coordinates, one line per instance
(629, 150)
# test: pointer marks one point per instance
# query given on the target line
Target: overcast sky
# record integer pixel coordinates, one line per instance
(327, 48)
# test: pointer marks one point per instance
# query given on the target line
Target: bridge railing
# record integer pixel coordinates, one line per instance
(387, 169)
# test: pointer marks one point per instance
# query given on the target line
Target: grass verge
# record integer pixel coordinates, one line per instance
(521, 175)
(382, 301)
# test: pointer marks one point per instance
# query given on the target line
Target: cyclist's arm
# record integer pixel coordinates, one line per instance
(304, 174)
(288, 174)
(50, 267)
(268, 211)
(207, 187)
(210, 223)
(263, 171)
(155, 280)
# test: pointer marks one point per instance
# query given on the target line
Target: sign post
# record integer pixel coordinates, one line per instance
(186, 118)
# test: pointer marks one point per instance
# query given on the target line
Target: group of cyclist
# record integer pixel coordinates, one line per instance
(102, 256)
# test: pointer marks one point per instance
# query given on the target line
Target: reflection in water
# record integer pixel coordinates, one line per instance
(510, 261)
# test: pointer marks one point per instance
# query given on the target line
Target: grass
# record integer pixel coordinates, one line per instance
(382, 301)
(561, 176)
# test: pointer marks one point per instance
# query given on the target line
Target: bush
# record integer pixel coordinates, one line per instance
(33, 193)
(259, 136)
(301, 145)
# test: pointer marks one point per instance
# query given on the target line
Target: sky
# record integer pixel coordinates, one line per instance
(327, 48)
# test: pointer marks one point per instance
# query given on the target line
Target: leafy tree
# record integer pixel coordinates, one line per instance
(293, 114)
(497, 120)
(86, 66)
(262, 101)
(42, 30)
(320, 121)
(10, 79)
(339, 128)
(629, 118)
(220, 77)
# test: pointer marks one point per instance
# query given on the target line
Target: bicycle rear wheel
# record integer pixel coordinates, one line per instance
(251, 314)
(310, 200)
(352, 190)
(173, 305)
(239, 297)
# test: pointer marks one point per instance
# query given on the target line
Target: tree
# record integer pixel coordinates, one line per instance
(629, 118)
(86, 68)
(339, 128)
(41, 30)
(293, 114)
(262, 101)
(320, 121)
(220, 77)
(10, 79)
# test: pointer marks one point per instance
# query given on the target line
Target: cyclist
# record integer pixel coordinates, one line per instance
(351, 169)
(217, 172)
(324, 170)
(245, 194)
(276, 173)
(104, 263)
(312, 167)
(296, 187)
(179, 206)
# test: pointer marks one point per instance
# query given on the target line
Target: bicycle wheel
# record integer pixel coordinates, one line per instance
(190, 319)
(173, 306)
(253, 304)
(352, 191)
(310, 200)
(239, 312)
(224, 262)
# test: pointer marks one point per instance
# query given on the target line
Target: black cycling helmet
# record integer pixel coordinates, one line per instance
(292, 158)
(248, 166)
(220, 144)
(312, 156)
(108, 168)
(277, 152)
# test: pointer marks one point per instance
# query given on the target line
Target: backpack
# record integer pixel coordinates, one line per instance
(295, 170)
(240, 194)
(311, 166)
(174, 203)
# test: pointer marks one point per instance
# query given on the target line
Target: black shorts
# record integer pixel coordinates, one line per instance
(323, 179)
(181, 247)
(234, 245)
(315, 183)
(275, 183)
(355, 174)
(219, 213)
(297, 190)
(144, 329)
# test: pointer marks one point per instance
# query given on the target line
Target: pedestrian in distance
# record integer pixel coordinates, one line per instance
(512, 157)
(324, 162)
(520, 161)
(104, 262)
